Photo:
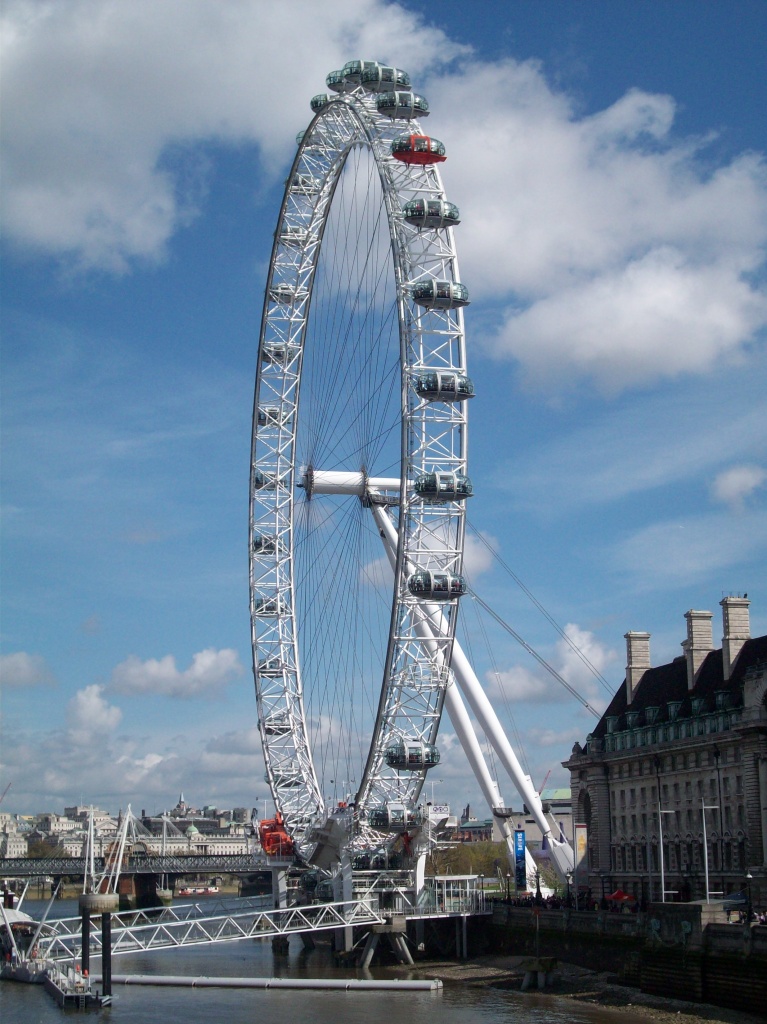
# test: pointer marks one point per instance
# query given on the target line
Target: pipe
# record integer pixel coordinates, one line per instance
(343, 984)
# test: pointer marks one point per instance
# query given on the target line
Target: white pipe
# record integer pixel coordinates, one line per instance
(320, 481)
(454, 705)
(343, 984)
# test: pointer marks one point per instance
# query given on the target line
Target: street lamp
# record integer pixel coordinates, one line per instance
(481, 880)
(703, 808)
(508, 886)
(538, 897)
(749, 877)
(569, 878)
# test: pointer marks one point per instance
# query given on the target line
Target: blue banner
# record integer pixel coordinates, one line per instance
(520, 874)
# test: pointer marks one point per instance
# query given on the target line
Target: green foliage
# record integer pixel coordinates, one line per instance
(40, 850)
(469, 859)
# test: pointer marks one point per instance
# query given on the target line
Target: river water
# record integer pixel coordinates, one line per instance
(455, 1004)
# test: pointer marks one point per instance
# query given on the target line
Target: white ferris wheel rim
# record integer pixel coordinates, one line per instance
(433, 438)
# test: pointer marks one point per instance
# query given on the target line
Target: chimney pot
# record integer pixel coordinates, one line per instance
(699, 642)
(736, 629)
(637, 660)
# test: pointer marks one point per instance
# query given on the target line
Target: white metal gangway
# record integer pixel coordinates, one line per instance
(198, 924)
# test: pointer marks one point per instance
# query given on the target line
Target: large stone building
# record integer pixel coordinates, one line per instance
(681, 752)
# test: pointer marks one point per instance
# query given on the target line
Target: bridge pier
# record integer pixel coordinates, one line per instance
(343, 938)
(279, 888)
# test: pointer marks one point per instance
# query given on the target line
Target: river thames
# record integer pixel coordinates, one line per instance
(454, 1004)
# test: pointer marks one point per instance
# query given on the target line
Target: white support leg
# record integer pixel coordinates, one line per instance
(561, 853)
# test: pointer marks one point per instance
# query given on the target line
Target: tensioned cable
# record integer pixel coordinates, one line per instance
(568, 640)
(541, 661)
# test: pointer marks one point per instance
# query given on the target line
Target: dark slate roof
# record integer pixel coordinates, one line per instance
(667, 683)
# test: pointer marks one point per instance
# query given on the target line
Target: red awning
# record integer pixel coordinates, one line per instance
(621, 897)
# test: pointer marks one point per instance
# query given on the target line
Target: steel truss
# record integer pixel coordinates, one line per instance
(433, 439)
(194, 924)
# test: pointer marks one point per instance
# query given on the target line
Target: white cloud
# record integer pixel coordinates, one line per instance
(90, 716)
(617, 251)
(519, 683)
(209, 672)
(734, 486)
(104, 101)
(477, 557)
(691, 549)
(22, 670)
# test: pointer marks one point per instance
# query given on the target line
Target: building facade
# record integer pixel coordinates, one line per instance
(672, 783)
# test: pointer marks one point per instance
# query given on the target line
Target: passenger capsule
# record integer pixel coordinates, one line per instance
(279, 353)
(305, 184)
(286, 293)
(288, 778)
(411, 755)
(337, 81)
(394, 818)
(264, 544)
(402, 105)
(444, 386)
(353, 70)
(270, 668)
(383, 79)
(277, 724)
(438, 487)
(293, 236)
(440, 294)
(319, 101)
(269, 607)
(431, 213)
(264, 481)
(418, 149)
(436, 586)
(273, 416)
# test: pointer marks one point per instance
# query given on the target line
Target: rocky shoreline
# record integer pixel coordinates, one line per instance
(583, 986)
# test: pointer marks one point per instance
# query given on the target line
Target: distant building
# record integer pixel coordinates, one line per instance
(680, 745)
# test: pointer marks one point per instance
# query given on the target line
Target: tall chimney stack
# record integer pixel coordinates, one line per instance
(699, 642)
(736, 628)
(637, 661)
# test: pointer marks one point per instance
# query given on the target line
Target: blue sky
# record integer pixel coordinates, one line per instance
(616, 334)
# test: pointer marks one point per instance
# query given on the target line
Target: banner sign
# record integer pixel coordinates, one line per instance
(581, 852)
(520, 873)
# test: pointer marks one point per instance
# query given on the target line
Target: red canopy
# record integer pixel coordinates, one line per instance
(621, 897)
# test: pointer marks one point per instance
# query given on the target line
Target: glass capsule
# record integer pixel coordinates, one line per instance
(431, 213)
(440, 294)
(440, 487)
(436, 586)
(444, 386)
(401, 105)
(418, 149)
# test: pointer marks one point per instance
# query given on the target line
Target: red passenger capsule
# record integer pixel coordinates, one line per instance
(418, 149)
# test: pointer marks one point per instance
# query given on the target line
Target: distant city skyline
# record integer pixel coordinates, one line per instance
(608, 161)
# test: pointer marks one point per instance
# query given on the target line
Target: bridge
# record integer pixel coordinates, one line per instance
(144, 864)
(233, 920)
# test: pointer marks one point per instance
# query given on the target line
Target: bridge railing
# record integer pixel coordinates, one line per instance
(172, 927)
(142, 864)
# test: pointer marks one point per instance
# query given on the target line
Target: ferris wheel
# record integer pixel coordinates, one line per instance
(358, 467)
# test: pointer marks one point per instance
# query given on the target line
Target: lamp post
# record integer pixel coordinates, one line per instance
(538, 897)
(508, 886)
(703, 808)
(481, 891)
(749, 877)
(661, 812)
(569, 877)
(716, 753)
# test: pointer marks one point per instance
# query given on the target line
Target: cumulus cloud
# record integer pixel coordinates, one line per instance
(616, 250)
(734, 486)
(572, 658)
(105, 101)
(21, 670)
(89, 715)
(209, 672)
